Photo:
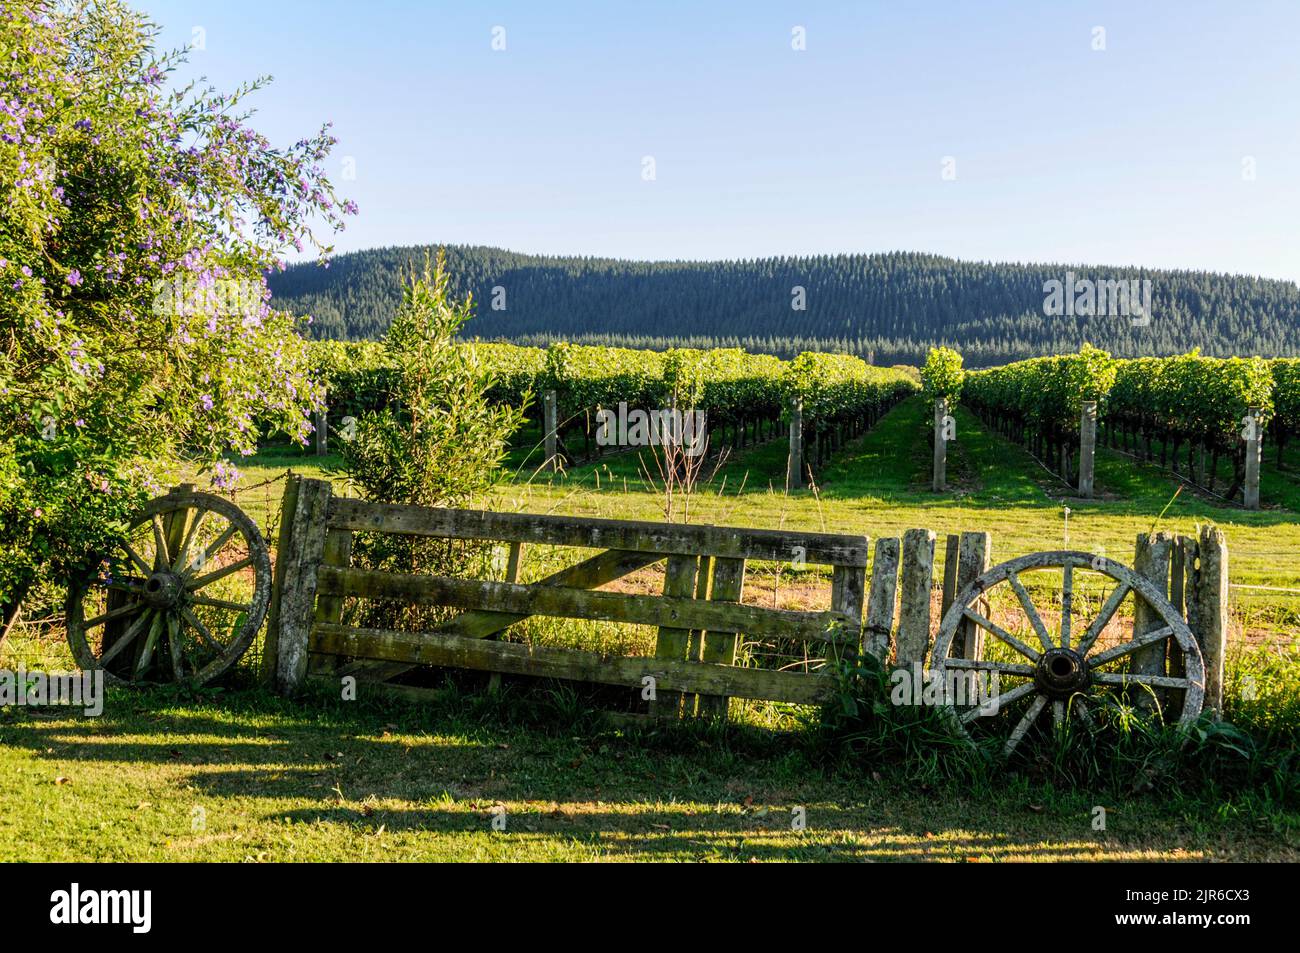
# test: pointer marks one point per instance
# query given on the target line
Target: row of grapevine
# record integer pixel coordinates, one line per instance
(1187, 412)
(745, 396)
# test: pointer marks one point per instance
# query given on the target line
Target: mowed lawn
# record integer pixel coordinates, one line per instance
(249, 777)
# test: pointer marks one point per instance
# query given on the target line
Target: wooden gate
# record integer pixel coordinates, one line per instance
(699, 614)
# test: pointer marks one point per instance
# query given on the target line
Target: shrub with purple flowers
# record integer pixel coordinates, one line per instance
(113, 184)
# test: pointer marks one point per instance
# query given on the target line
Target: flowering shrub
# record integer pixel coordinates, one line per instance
(137, 226)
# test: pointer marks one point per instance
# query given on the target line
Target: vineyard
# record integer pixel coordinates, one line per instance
(1188, 413)
(746, 397)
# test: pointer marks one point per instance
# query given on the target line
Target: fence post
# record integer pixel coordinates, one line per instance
(794, 468)
(1250, 490)
(550, 425)
(940, 445)
(972, 562)
(880, 603)
(914, 608)
(1210, 620)
(1087, 447)
(297, 600)
(1151, 559)
(270, 646)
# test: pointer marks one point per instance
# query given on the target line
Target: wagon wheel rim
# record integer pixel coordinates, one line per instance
(153, 609)
(1064, 672)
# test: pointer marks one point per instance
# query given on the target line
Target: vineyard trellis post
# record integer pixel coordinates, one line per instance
(1087, 447)
(940, 445)
(794, 469)
(1250, 490)
(550, 425)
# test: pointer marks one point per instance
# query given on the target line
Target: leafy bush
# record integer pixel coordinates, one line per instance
(440, 442)
(134, 317)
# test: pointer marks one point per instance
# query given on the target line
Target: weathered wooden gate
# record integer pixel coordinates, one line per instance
(699, 614)
(1171, 646)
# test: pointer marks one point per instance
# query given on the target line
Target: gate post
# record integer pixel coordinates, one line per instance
(1209, 623)
(295, 598)
(1087, 447)
(914, 608)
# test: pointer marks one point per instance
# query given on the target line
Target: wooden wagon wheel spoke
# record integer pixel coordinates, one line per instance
(140, 564)
(1030, 612)
(127, 638)
(1156, 681)
(1062, 676)
(1107, 612)
(197, 625)
(1002, 634)
(150, 641)
(178, 564)
(174, 645)
(1119, 651)
(212, 550)
(1006, 698)
(220, 604)
(1035, 709)
(112, 614)
(201, 581)
(160, 556)
(1067, 604)
(979, 665)
(162, 602)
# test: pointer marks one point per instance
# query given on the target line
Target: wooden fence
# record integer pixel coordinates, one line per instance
(700, 614)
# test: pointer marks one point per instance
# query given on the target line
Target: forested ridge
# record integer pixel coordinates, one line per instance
(889, 308)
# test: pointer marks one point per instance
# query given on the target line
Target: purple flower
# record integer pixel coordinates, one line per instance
(74, 277)
(207, 401)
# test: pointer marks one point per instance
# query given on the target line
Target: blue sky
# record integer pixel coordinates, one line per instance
(1137, 154)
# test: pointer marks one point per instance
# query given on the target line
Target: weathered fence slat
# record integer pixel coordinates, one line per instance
(880, 604)
(673, 641)
(673, 612)
(828, 549)
(720, 647)
(337, 552)
(512, 658)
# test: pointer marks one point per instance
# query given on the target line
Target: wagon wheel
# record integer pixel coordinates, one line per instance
(1069, 673)
(180, 599)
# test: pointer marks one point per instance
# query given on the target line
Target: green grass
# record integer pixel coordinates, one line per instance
(328, 780)
(243, 776)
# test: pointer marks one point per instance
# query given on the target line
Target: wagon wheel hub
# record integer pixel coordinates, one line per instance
(163, 589)
(1061, 672)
